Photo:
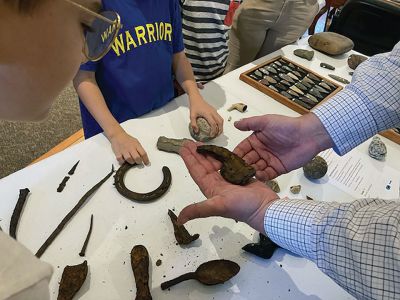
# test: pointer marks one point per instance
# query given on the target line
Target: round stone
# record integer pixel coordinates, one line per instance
(377, 149)
(204, 134)
(316, 168)
(295, 189)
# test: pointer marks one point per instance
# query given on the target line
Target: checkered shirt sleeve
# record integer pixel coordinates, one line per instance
(356, 244)
(369, 104)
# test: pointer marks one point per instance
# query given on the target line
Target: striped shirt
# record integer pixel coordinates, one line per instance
(205, 36)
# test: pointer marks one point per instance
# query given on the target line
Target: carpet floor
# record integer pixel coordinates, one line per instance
(23, 142)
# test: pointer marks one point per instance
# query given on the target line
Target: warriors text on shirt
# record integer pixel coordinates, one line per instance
(141, 35)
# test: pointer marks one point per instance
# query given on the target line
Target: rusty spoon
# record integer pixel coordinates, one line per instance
(209, 273)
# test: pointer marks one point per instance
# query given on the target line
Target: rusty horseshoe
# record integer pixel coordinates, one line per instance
(127, 193)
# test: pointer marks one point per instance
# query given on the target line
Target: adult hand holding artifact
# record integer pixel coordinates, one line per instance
(243, 203)
(281, 144)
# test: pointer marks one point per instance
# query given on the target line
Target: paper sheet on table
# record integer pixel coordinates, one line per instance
(361, 176)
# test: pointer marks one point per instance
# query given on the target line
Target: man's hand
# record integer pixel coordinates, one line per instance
(281, 144)
(243, 203)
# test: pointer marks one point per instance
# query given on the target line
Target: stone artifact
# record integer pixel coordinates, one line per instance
(293, 76)
(292, 93)
(306, 54)
(273, 88)
(308, 80)
(281, 87)
(270, 79)
(315, 100)
(264, 81)
(19, 206)
(254, 77)
(264, 71)
(131, 195)
(313, 77)
(72, 280)
(285, 94)
(83, 250)
(234, 169)
(204, 134)
(301, 103)
(321, 89)
(208, 273)
(301, 86)
(70, 215)
(354, 60)
(309, 198)
(271, 69)
(325, 86)
(273, 184)
(286, 77)
(182, 236)
(140, 268)
(265, 248)
(351, 73)
(170, 145)
(377, 149)
(296, 89)
(62, 184)
(258, 73)
(295, 189)
(315, 92)
(316, 168)
(238, 106)
(307, 100)
(338, 78)
(330, 43)
(327, 66)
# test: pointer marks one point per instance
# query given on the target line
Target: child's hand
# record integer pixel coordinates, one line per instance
(128, 148)
(200, 108)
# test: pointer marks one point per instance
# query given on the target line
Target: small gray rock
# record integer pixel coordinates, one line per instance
(316, 168)
(170, 145)
(354, 60)
(377, 149)
(306, 54)
(204, 134)
(273, 184)
(295, 189)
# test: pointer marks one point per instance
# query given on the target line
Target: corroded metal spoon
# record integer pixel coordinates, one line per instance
(208, 273)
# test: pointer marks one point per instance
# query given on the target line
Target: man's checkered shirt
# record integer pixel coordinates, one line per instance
(357, 244)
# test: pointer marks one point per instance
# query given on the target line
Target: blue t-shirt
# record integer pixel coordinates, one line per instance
(136, 75)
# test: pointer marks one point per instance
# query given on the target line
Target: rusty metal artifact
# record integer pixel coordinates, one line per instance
(209, 273)
(127, 193)
(234, 169)
(265, 248)
(140, 268)
(72, 280)
(182, 236)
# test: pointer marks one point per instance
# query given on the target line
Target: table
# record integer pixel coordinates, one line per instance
(119, 224)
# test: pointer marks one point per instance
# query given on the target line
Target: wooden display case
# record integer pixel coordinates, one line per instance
(294, 103)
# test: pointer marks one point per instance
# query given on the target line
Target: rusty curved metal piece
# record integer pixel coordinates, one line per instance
(131, 195)
(234, 169)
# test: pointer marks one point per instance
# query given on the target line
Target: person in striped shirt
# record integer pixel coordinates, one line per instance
(205, 36)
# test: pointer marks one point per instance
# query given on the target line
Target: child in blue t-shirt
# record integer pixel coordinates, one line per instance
(136, 76)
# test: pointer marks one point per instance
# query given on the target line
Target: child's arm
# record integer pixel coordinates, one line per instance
(125, 147)
(198, 106)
